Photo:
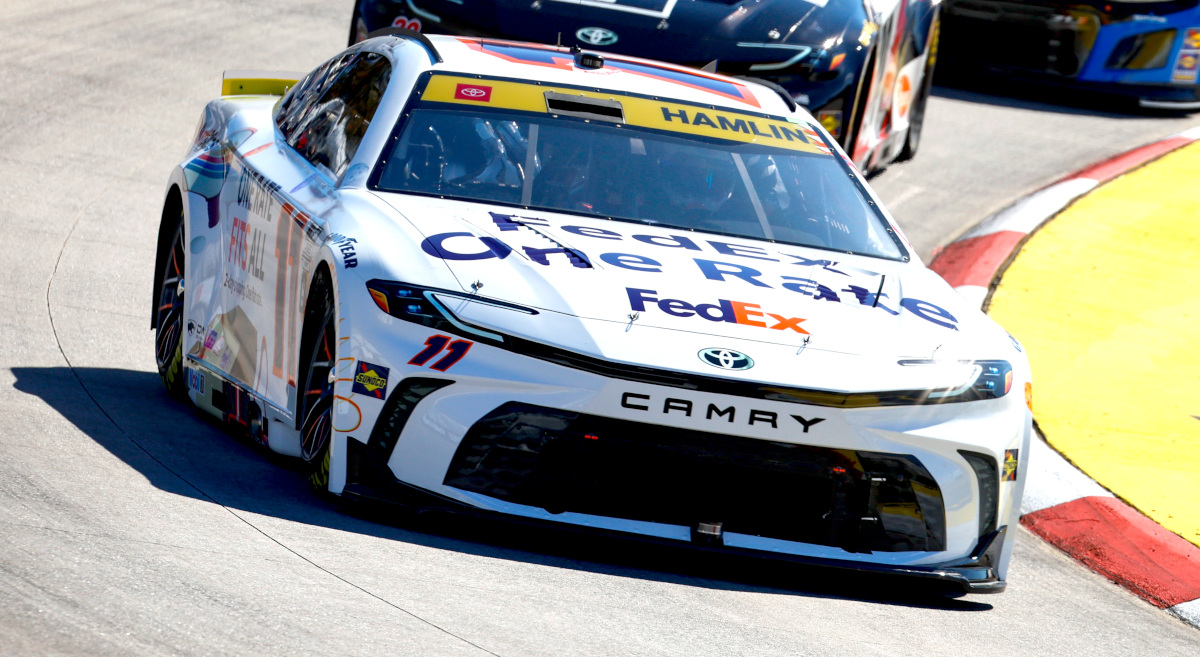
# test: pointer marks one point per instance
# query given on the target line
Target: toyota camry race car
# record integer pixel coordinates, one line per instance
(599, 293)
(864, 67)
(1145, 49)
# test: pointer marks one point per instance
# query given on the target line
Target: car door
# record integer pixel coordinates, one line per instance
(322, 128)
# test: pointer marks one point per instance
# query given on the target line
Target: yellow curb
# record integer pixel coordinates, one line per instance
(1106, 301)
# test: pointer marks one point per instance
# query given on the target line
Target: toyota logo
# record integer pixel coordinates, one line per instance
(726, 359)
(473, 92)
(596, 36)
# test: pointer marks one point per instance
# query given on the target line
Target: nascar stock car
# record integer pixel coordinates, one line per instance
(594, 292)
(1143, 49)
(864, 67)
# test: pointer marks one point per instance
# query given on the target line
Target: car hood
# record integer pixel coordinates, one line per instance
(596, 282)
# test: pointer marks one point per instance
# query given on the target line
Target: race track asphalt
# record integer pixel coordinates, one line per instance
(129, 525)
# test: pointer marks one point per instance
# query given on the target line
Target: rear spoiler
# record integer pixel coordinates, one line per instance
(258, 83)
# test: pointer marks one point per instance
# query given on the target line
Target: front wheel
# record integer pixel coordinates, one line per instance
(168, 320)
(316, 402)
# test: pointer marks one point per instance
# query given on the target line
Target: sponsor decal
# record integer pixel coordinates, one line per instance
(436, 344)
(1191, 40)
(247, 248)
(1010, 465)
(733, 312)
(596, 36)
(195, 380)
(370, 380)
(243, 289)
(713, 413)
(836, 284)
(256, 194)
(726, 359)
(1187, 62)
(345, 245)
(407, 23)
(476, 92)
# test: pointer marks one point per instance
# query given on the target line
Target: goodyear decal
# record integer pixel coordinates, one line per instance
(370, 380)
(1187, 62)
(642, 112)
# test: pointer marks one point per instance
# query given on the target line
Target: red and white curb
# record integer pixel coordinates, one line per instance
(1062, 504)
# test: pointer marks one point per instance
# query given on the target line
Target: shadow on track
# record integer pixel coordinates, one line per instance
(171, 444)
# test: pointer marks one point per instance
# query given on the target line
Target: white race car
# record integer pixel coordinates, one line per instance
(616, 295)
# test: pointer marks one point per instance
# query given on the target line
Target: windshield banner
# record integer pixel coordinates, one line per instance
(698, 120)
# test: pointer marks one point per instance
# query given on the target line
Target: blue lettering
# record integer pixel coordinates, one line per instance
(631, 261)
(739, 250)
(435, 246)
(638, 298)
(930, 312)
(677, 307)
(713, 271)
(599, 233)
(673, 241)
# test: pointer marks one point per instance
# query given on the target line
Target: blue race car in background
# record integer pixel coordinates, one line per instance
(1146, 50)
(862, 67)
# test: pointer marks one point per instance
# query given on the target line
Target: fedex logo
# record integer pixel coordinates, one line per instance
(734, 312)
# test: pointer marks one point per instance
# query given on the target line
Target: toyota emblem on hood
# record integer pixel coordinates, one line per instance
(726, 359)
(596, 36)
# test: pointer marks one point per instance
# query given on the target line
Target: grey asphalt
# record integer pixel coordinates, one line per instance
(129, 525)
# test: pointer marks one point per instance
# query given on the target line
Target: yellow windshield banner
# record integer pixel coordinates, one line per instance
(641, 112)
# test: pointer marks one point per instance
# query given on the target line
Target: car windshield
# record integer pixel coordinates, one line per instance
(625, 172)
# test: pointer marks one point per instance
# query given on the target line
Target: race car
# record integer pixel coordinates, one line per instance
(864, 67)
(1141, 49)
(594, 292)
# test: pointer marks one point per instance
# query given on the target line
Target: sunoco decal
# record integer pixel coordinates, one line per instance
(370, 380)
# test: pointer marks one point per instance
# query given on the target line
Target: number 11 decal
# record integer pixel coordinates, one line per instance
(435, 345)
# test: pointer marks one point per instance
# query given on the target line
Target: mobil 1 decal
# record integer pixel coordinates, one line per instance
(747, 266)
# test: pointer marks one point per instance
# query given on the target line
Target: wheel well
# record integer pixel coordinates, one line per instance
(171, 215)
(321, 279)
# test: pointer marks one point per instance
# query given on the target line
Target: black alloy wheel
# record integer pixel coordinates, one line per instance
(916, 115)
(168, 320)
(316, 402)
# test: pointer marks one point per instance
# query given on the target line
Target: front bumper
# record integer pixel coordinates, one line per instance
(906, 499)
(370, 481)
(1144, 51)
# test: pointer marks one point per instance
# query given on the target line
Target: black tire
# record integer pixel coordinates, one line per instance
(319, 345)
(916, 115)
(168, 317)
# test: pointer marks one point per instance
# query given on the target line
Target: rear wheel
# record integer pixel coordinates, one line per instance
(916, 116)
(316, 401)
(168, 320)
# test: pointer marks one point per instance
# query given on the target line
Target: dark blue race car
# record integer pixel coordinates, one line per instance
(862, 67)
(1147, 50)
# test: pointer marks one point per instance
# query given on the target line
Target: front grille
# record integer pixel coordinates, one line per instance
(561, 461)
(1031, 37)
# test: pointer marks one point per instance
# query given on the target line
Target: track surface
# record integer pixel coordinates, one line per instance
(131, 526)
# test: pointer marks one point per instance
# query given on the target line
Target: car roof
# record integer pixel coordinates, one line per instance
(555, 65)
